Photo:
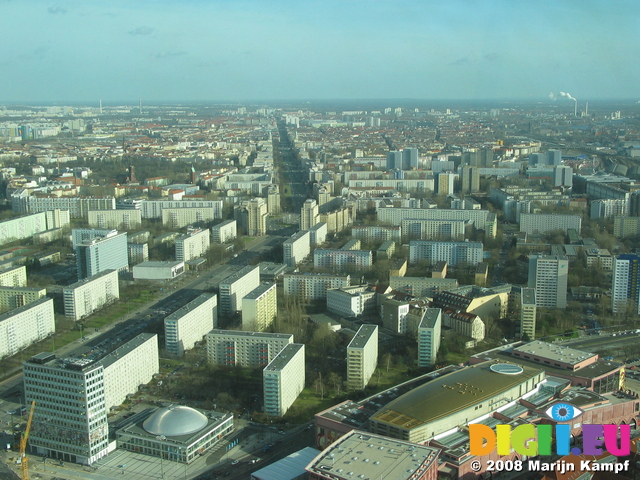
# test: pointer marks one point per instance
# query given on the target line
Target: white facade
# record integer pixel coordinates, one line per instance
(296, 248)
(259, 308)
(480, 219)
(30, 225)
(362, 357)
(454, 253)
(121, 219)
(318, 234)
(235, 287)
(102, 253)
(257, 217)
(192, 245)
(154, 208)
(429, 332)
(157, 270)
(137, 253)
(337, 260)
(14, 277)
(224, 232)
(625, 285)
(78, 207)
(309, 214)
(549, 274)
(74, 427)
(433, 229)
(547, 222)
(86, 296)
(378, 233)
(244, 349)
(189, 324)
(283, 379)
(313, 286)
(14, 297)
(351, 301)
(181, 217)
(25, 325)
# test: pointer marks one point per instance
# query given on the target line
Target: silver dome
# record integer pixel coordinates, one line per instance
(175, 421)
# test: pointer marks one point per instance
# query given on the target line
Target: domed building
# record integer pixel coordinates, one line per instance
(176, 433)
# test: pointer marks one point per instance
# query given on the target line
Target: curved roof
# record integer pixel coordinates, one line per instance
(175, 421)
(448, 395)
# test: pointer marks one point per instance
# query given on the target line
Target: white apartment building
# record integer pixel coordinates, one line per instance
(235, 287)
(137, 253)
(336, 220)
(86, 296)
(102, 253)
(394, 314)
(625, 285)
(154, 208)
(14, 277)
(318, 234)
(362, 357)
(244, 349)
(192, 245)
(283, 379)
(339, 260)
(549, 274)
(548, 222)
(156, 270)
(433, 229)
(224, 232)
(257, 217)
(466, 324)
(313, 286)
(309, 214)
(429, 333)
(528, 311)
(181, 217)
(188, 325)
(25, 325)
(454, 253)
(118, 219)
(377, 233)
(74, 428)
(351, 301)
(480, 219)
(259, 308)
(25, 227)
(14, 297)
(296, 248)
(78, 207)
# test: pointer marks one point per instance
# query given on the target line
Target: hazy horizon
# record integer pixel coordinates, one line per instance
(221, 51)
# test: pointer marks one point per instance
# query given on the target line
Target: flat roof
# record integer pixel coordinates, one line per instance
(554, 352)
(528, 296)
(358, 455)
(195, 303)
(450, 393)
(290, 467)
(159, 263)
(240, 333)
(239, 274)
(363, 335)
(90, 279)
(259, 290)
(24, 308)
(286, 354)
(430, 317)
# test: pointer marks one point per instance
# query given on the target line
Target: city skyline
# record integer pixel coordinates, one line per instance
(268, 50)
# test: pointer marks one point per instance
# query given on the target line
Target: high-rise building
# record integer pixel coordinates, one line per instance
(362, 357)
(283, 379)
(244, 349)
(192, 245)
(548, 274)
(234, 288)
(528, 313)
(454, 253)
(394, 160)
(309, 214)
(429, 331)
(188, 325)
(25, 325)
(224, 232)
(86, 296)
(625, 287)
(257, 217)
(74, 394)
(273, 200)
(296, 248)
(313, 286)
(409, 158)
(259, 308)
(445, 184)
(470, 179)
(108, 252)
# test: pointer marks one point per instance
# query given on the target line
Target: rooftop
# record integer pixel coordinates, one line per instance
(195, 303)
(24, 308)
(286, 354)
(84, 281)
(240, 333)
(359, 455)
(259, 290)
(239, 274)
(553, 352)
(364, 334)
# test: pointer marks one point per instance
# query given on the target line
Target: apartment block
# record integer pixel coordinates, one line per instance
(454, 253)
(189, 324)
(115, 219)
(74, 428)
(313, 286)
(528, 312)
(259, 308)
(309, 214)
(235, 287)
(351, 301)
(88, 295)
(340, 260)
(625, 286)
(224, 232)
(181, 217)
(626, 226)
(29, 225)
(548, 274)
(283, 379)
(137, 253)
(377, 233)
(362, 357)
(192, 245)
(433, 229)
(244, 349)
(421, 286)
(26, 325)
(480, 219)
(153, 208)
(296, 248)
(548, 222)
(318, 234)
(102, 253)
(14, 277)
(14, 297)
(78, 207)
(429, 333)
(257, 217)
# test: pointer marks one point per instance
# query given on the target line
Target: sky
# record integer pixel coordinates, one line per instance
(246, 50)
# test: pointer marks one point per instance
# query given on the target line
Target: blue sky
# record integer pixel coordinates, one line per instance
(235, 50)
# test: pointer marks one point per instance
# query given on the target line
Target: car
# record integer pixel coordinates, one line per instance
(235, 462)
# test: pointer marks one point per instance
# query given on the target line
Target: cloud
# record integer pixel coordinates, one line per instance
(461, 61)
(491, 57)
(141, 31)
(170, 54)
(56, 9)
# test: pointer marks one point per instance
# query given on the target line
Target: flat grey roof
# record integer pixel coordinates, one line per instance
(84, 281)
(430, 317)
(195, 303)
(552, 351)
(239, 274)
(286, 354)
(24, 308)
(240, 333)
(528, 296)
(259, 290)
(363, 335)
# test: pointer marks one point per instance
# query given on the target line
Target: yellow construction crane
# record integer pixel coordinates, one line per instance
(23, 444)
